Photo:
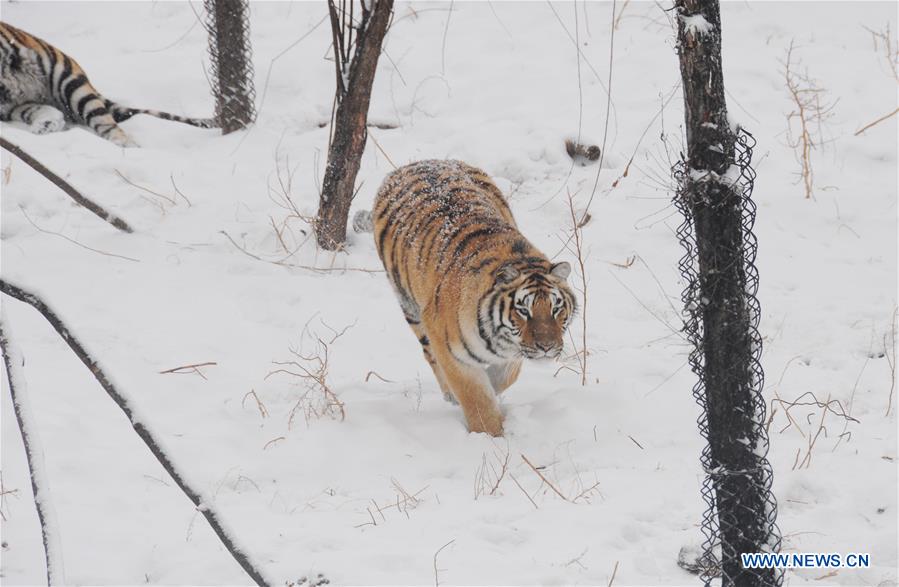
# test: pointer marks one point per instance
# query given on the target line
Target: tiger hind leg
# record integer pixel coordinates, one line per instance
(94, 112)
(40, 118)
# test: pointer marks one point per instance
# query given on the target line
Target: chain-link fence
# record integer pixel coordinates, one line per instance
(721, 280)
(230, 55)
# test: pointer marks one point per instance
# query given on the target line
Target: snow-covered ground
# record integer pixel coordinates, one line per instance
(395, 493)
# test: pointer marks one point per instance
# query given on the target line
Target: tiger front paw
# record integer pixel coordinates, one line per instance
(491, 423)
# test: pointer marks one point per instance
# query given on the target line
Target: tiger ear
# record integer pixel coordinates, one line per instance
(507, 273)
(561, 270)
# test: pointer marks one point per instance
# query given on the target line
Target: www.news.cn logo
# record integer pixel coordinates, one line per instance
(804, 560)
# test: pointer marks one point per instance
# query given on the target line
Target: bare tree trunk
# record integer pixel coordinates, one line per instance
(354, 83)
(714, 197)
(34, 455)
(228, 25)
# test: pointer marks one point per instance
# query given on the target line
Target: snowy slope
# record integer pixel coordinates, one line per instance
(373, 498)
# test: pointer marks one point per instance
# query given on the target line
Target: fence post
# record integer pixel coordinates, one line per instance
(721, 309)
(228, 25)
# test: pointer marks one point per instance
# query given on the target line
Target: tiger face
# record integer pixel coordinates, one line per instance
(528, 311)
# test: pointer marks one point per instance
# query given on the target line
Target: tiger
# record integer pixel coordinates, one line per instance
(478, 296)
(44, 88)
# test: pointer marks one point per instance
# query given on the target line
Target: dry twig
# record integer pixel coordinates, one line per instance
(576, 247)
(876, 122)
(73, 241)
(166, 198)
(804, 123)
(263, 411)
(187, 369)
(889, 351)
(436, 570)
(318, 400)
(489, 475)
(544, 479)
(283, 262)
(888, 47)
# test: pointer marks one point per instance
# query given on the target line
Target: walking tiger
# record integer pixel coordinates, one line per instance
(478, 296)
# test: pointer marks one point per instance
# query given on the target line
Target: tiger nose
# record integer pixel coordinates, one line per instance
(545, 347)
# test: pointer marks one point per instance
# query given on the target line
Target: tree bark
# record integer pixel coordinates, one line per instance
(714, 197)
(350, 134)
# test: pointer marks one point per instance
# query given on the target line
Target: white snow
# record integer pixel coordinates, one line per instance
(371, 499)
(696, 24)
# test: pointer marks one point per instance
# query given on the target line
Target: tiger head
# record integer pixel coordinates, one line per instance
(527, 311)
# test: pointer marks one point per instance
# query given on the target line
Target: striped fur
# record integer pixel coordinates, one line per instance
(477, 294)
(44, 88)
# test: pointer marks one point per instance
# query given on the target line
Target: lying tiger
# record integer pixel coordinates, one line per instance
(44, 88)
(477, 294)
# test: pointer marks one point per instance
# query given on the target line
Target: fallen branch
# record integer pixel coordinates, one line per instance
(66, 187)
(187, 369)
(34, 455)
(203, 506)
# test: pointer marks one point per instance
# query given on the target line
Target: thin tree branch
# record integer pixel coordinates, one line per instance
(65, 186)
(878, 121)
(200, 502)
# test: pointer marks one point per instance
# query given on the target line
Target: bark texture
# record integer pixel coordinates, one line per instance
(354, 84)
